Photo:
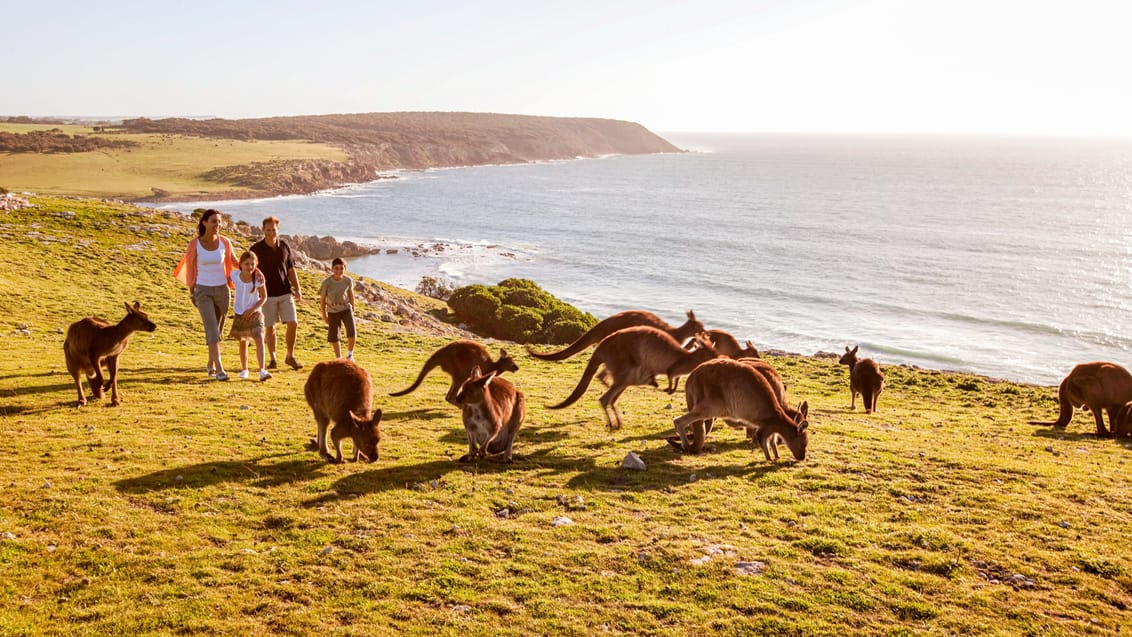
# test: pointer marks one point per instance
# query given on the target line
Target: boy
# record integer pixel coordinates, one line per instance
(336, 301)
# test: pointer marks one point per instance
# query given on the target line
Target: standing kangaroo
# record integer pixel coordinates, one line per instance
(493, 411)
(1098, 387)
(620, 321)
(339, 394)
(457, 359)
(737, 392)
(865, 378)
(634, 356)
(93, 342)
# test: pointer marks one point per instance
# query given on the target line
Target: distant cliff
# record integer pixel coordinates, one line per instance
(379, 142)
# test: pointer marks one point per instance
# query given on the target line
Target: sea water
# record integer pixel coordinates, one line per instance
(1008, 257)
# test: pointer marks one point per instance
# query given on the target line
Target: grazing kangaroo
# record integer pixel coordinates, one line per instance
(93, 342)
(339, 394)
(777, 387)
(493, 411)
(865, 378)
(634, 356)
(1096, 386)
(620, 321)
(457, 359)
(729, 346)
(737, 392)
(1122, 426)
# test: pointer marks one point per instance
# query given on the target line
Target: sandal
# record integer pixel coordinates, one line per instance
(221, 376)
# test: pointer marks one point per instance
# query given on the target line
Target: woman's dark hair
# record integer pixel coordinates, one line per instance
(204, 217)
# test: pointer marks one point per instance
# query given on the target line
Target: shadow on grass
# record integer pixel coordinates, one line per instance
(1077, 435)
(257, 472)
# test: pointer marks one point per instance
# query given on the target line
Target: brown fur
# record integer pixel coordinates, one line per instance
(457, 359)
(493, 411)
(728, 345)
(865, 378)
(339, 394)
(618, 322)
(737, 392)
(1096, 386)
(93, 342)
(634, 356)
(1122, 424)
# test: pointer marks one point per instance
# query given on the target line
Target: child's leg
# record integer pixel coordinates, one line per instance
(351, 331)
(333, 326)
(258, 338)
(243, 353)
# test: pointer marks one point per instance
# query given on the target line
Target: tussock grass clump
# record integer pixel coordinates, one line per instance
(198, 507)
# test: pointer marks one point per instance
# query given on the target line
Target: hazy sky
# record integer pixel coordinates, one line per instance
(977, 66)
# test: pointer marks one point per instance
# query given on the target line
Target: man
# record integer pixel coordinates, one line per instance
(278, 267)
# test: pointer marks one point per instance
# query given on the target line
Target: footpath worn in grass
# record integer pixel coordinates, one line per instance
(197, 508)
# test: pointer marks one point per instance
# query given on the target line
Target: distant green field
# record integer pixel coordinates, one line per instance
(196, 507)
(168, 162)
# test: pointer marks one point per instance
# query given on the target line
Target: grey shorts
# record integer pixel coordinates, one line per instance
(279, 309)
(337, 320)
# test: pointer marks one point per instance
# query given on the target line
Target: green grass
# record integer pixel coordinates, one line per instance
(172, 163)
(197, 508)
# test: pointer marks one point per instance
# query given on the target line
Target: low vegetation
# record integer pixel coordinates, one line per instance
(519, 310)
(198, 507)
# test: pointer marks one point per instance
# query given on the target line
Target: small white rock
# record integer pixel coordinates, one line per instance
(633, 461)
(561, 520)
(7, 535)
(327, 550)
(749, 568)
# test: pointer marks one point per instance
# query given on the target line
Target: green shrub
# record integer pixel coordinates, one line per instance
(519, 310)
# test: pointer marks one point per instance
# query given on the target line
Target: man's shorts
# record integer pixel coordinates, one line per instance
(279, 309)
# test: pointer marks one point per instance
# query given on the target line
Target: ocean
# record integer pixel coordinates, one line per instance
(1006, 257)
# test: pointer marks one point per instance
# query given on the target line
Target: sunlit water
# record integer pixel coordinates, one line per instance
(1004, 257)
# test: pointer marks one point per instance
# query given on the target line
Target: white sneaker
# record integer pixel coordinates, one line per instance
(349, 356)
(243, 374)
(264, 375)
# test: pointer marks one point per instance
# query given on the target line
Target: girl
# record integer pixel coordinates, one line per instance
(250, 297)
(205, 267)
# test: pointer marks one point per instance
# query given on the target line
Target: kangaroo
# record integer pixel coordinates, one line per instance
(777, 387)
(1096, 386)
(493, 411)
(729, 346)
(634, 356)
(738, 392)
(620, 321)
(865, 378)
(339, 393)
(1122, 426)
(93, 342)
(457, 359)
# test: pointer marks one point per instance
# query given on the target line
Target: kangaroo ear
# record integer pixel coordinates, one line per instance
(855, 348)
(804, 409)
(377, 415)
(804, 427)
(502, 353)
(475, 372)
(846, 349)
(691, 315)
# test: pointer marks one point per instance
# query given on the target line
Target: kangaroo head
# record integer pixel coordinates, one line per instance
(505, 363)
(849, 357)
(473, 389)
(137, 319)
(750, 350)
(694, 324)
(366, 434)
(798, 443)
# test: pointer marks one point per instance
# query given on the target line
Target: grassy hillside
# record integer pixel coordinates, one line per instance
(197, 508)
(172, 163)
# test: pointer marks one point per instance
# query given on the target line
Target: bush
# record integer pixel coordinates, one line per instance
(435, 287)
(519, 310)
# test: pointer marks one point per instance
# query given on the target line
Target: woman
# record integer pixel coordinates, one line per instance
(208, 261)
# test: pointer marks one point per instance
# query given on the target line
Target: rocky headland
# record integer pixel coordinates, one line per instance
(378, 143)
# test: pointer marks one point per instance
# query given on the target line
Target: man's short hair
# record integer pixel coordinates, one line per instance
(271, 219)
(338, 261)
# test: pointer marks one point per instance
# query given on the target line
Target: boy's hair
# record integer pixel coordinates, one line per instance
(248, 254)
(338, 261)
(272, 219)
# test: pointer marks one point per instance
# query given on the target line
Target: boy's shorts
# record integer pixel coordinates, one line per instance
(336, 320)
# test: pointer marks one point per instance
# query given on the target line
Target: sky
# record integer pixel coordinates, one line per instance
(856, 66)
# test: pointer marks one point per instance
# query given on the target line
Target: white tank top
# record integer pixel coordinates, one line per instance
(210, 265)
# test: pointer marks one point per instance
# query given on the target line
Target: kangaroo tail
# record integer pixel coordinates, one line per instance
(1064, 415)
(428, 366)
(595, 335)
(583, 383)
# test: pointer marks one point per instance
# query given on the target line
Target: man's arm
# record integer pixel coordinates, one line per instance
(294, 278)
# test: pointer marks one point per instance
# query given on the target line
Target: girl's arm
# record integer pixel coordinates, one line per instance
(261, 291)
